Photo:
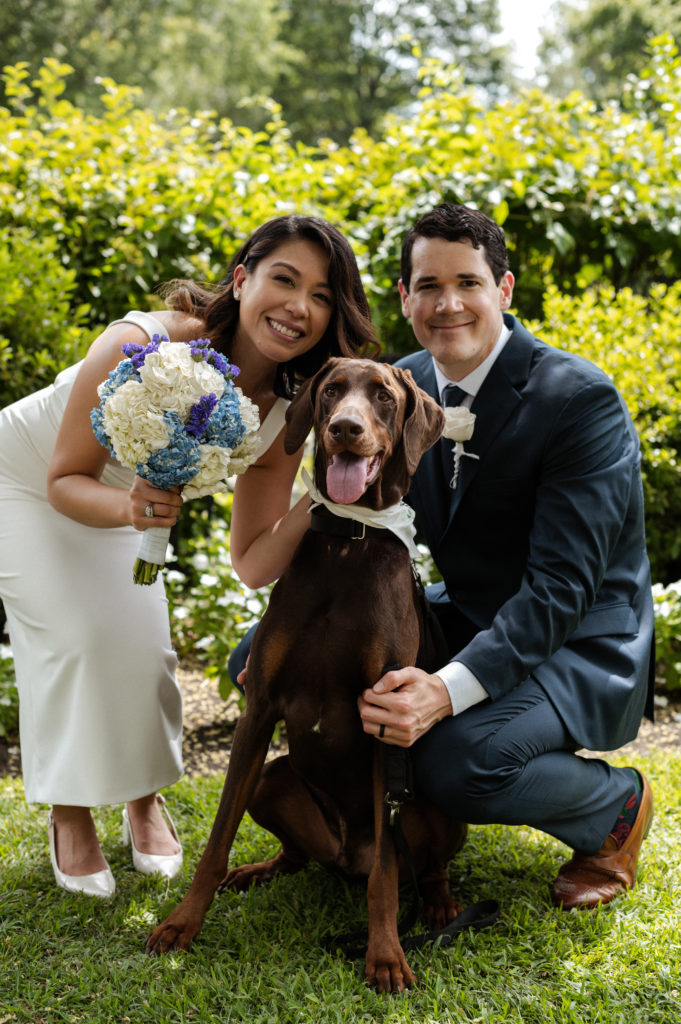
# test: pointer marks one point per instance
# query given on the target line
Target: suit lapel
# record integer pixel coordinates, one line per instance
(431, 479)
(498, 397)
(496, 401)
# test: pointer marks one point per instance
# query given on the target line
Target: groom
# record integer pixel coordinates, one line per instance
(545, 603)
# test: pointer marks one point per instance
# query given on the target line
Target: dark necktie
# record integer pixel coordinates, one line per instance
(453, 395)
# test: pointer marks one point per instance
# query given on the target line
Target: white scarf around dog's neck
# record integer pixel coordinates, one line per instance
(399, 519)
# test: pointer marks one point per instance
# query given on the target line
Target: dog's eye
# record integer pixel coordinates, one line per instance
(384, 396)
(330, 390)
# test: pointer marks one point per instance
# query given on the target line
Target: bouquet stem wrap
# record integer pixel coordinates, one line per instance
(151, 555)
(172, 413)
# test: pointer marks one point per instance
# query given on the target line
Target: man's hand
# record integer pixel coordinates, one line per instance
(403, 705)
(241, 678)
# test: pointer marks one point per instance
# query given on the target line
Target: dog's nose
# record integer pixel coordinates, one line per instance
(346, 428)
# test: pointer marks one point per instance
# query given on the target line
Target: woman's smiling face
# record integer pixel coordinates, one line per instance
(286, 302)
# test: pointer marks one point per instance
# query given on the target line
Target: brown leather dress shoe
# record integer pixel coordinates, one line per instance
(586, 881)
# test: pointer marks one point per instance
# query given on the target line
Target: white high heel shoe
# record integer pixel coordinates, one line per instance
(101, 883)
(153, 863)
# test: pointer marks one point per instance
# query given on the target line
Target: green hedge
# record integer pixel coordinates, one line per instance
(634, 338)
(132, 200)
(40, 322)
(97, 211)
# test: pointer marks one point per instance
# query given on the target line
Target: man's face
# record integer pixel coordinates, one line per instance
(454, 304)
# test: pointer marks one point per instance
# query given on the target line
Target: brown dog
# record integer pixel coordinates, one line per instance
(344, 610)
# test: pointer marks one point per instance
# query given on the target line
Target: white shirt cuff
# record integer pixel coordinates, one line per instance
(463, 687)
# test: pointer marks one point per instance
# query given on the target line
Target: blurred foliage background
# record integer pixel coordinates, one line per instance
(141, 145)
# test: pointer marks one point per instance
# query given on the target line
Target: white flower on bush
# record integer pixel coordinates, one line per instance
(174, 381)
(666, 600)
(204, 643)
(134, 428)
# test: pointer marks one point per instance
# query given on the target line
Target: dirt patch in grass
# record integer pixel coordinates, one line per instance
(209, 723)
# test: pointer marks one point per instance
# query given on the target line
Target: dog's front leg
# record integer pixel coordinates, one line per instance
(387, 969)
(251, 740)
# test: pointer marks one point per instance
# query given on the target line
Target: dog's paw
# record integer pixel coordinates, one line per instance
(389, 973)
(173, 933)
(243, 877)
(440, 913)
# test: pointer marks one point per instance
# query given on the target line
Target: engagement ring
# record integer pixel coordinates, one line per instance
(149, 511)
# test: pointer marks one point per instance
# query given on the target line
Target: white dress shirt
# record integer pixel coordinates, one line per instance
(463, 687)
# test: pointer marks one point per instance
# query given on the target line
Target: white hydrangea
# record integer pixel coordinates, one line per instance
(246, 454)
(213, 472)
(135, 429)
(175, 381)
(250, 415)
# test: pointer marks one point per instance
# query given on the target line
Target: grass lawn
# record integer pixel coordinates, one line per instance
(259, 957)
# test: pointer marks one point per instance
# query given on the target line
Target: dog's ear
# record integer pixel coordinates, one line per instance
(423, 423)
(300, 413)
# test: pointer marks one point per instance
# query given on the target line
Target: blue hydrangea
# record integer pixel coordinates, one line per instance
(97, 421)
(117, 377)
(225, 427)
(175, 464)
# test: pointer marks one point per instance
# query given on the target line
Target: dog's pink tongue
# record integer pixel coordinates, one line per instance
(346, 478)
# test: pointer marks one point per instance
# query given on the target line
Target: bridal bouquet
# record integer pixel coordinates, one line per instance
(172, 413)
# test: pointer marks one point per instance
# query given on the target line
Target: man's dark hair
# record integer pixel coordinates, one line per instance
(457, 223)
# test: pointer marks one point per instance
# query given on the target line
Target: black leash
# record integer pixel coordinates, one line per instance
(399, 790)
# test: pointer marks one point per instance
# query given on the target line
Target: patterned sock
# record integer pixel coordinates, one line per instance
(627, 815)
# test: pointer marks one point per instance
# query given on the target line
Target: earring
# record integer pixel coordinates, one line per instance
(237, 294)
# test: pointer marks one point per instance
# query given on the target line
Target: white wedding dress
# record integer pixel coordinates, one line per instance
(100, 708)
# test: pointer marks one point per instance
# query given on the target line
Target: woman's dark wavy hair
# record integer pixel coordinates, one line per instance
(350, 331)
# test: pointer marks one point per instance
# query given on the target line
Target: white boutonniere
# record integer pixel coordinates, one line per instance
(459, 426)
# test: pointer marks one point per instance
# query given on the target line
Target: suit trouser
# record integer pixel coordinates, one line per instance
(512, 761)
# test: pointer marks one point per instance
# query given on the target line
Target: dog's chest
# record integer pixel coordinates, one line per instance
(326, 741)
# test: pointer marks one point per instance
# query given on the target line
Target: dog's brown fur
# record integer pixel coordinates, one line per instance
(343, 611)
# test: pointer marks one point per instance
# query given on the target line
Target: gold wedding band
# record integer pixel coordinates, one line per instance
(381, 731)
(149, 511)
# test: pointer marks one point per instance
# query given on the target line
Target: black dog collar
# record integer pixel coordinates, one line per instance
(322, 522)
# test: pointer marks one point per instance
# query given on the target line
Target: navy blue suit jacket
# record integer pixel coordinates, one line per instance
(541, 546)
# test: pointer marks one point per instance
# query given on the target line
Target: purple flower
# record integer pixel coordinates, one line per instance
(200, 413)
(138, 353)
(201, 349)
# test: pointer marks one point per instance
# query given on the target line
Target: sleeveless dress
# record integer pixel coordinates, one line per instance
(100, 709)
